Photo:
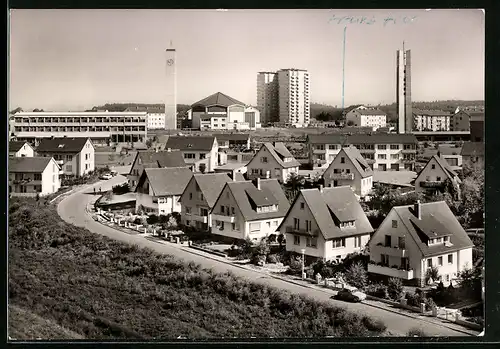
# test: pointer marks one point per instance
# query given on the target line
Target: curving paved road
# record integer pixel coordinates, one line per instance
(72, 210)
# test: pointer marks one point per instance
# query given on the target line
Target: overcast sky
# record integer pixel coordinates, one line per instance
(75, 59)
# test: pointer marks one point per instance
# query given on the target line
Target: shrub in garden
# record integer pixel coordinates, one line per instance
(377, 290)
(152, 219)
(272, 258)
(395, 288)
(416, 332)
(432, 273)
(295, 265)
(374, 325)
(357, 275)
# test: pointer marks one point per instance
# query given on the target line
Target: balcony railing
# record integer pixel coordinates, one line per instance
(203, 219)
(409, 150)
(393, 272)
(293, 230)
(346, 176)
(223, 218)
(371, 151)
(394, 251)
(407, 161)
(431, 184)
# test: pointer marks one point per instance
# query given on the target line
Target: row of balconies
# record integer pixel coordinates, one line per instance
(86, 122)
(389, 271)
(431, 184)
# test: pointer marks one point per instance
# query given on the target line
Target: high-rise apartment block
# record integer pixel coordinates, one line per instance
(284, 97)
(403, 91)
(268, 97)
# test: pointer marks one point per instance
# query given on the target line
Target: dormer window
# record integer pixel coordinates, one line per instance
(347, 224)
(268, 208)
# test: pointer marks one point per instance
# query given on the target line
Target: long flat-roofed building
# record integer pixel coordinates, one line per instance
(99, 126)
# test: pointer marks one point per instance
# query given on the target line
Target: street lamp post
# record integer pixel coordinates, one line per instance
(303, 261)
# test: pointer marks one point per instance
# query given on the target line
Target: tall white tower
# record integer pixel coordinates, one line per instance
(267, 97)
(403, 91)
(293, 91)
(171, 90)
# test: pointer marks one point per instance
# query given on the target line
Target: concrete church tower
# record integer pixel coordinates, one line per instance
(171, 90)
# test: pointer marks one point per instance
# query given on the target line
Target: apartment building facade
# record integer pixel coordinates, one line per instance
(155, 115)
(432, 120)
(100, 126)
(294, 92)
(382, 151)
(268, 97)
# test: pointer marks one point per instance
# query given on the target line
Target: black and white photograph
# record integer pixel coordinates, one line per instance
(182, 175)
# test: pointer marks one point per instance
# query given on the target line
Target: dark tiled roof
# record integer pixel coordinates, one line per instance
(358, 161)
(232, 136)
(190, 143)
(219, 99)
(28, 165)
(259, 198)
(336, 138)
(382, 138)
(440, 218)
(369, 111)
(15, 146)
(431, 112)
(333, 206)
(445, 166)
(211, 185)
(473, 149)
(272, 190)
(167, 181)
(62, 145)
(162, 158)
(447, 150)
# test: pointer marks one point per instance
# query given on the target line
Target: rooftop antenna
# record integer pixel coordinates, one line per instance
(343, 71)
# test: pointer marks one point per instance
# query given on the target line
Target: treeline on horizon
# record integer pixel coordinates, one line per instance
(324, 112)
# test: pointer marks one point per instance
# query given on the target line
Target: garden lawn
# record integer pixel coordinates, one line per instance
(103, 289)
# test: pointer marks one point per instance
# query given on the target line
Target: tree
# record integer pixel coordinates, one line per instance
(294, 184)
(356, 275)
(17, 110)
(432, 273)
(149, 143)
(202, 168)
(281, 239)
(395, 288)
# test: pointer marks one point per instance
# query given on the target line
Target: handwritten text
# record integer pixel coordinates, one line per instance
(371, 20)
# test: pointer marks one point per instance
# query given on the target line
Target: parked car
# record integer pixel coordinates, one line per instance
(106, 176)
(347, 295)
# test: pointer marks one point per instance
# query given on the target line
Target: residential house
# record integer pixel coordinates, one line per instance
(473, 153)
(159, 189)
(382, 151)
(233, 140)
(32, 176)
(367, 117)
(272, 161)
(460, 121)
(414, 238)
(21, 149)
(452, 155)
(434, 174)
(197, 151)
(327, 223)
(199, 198)
(151, 159)
(247, 210)
(75, 156)
(349, 168)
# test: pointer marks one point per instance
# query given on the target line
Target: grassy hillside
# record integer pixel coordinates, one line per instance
(104, 289)
(24, 325)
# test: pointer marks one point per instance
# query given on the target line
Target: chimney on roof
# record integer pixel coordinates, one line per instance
(418, 210)
(258, 183)
(268, 174)
(321, 188)
(169, 149)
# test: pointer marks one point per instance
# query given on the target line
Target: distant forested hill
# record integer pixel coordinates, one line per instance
(326, 112)
(118, 107)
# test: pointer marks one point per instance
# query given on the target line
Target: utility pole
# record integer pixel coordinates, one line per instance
(343, 73)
